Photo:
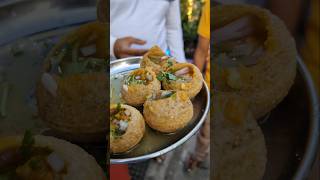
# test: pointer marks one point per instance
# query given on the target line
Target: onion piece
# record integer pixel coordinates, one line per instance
(49, 84)
(164, 58)
(149, 77)
(182, 71)
(165, 94)
(88, 50)
(239, 28)
(123, 125)
(127, 112)
(56, 162)
(125, 88)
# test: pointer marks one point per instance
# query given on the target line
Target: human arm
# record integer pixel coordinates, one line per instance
(201, 53)
(174, 31)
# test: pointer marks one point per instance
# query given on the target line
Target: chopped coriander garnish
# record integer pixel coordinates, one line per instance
(27, 143)
(118, 107)
(35, 163)
(131, 79)
(163, 76)
(171, 76)
(168, 95)
(170, 63)
(118, 132)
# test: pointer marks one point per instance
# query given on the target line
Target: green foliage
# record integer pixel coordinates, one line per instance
(190, 21)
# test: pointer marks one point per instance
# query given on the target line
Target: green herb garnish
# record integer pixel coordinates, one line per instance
(161, 76)
(164, 76)
(27, 144)
(171, 77)
(168, 95)
(35, 163)
(169, 63)
(117, 132)
(131, 79)
(118, 108)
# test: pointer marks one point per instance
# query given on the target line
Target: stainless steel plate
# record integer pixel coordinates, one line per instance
(154, 143)
(292, 131)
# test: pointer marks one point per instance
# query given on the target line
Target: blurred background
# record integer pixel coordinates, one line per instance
(302, 18)
(21, 18)
(190, 17)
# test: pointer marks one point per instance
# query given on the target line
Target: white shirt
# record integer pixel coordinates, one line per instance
(157, 22)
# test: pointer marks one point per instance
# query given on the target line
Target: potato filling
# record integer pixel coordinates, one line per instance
(31, 162)
(239, 42)
(119, 120)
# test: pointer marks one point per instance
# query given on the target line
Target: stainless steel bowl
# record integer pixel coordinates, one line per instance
(155, 144)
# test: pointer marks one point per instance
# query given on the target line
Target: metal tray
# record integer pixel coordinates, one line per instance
(154, 143)
(292, 131)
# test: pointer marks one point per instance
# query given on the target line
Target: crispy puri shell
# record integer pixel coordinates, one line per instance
(170, 114)
(236, 138)
(137, 94)
(193, 87)
(133, 134)
(146, 62)
(78, 112)
(79, 108)
(269, 81)
(80, 164)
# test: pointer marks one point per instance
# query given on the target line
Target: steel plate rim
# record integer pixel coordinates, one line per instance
(312, 146)
(172, 146)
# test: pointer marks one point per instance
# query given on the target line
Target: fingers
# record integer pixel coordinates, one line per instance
(122, 47)
(136, 41)
(135, 52)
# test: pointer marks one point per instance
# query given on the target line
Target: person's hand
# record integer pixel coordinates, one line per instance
(122, 47)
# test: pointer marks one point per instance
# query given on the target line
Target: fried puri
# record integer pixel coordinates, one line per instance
(236, 138)
(168, 111)
(254, 55)
(72, 91)
(184, 77)
(127, 128)
(138, 85)
(157, 60)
